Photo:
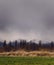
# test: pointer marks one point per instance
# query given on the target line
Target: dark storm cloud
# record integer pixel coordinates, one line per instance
(25, 16)
(50, 21)
(5, 18)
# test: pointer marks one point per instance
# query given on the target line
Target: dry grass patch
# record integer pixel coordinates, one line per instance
(24, 53)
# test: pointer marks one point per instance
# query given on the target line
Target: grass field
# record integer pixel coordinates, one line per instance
(26, 61)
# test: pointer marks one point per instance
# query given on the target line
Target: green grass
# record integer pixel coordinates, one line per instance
(26, 61)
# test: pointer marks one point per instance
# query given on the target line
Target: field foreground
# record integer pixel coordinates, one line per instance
(26, 61)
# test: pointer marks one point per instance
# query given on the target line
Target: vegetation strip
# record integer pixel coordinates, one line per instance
(26, 61)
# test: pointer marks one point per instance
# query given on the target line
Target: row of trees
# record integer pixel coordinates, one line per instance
(24, 45)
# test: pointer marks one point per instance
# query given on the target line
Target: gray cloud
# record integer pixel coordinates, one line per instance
(27, 16)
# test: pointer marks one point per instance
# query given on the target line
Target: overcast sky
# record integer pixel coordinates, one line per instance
(27, 19)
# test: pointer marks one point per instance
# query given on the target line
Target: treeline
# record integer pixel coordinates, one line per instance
(24, 45)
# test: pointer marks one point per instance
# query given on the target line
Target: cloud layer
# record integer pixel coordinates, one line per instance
(27, 19)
